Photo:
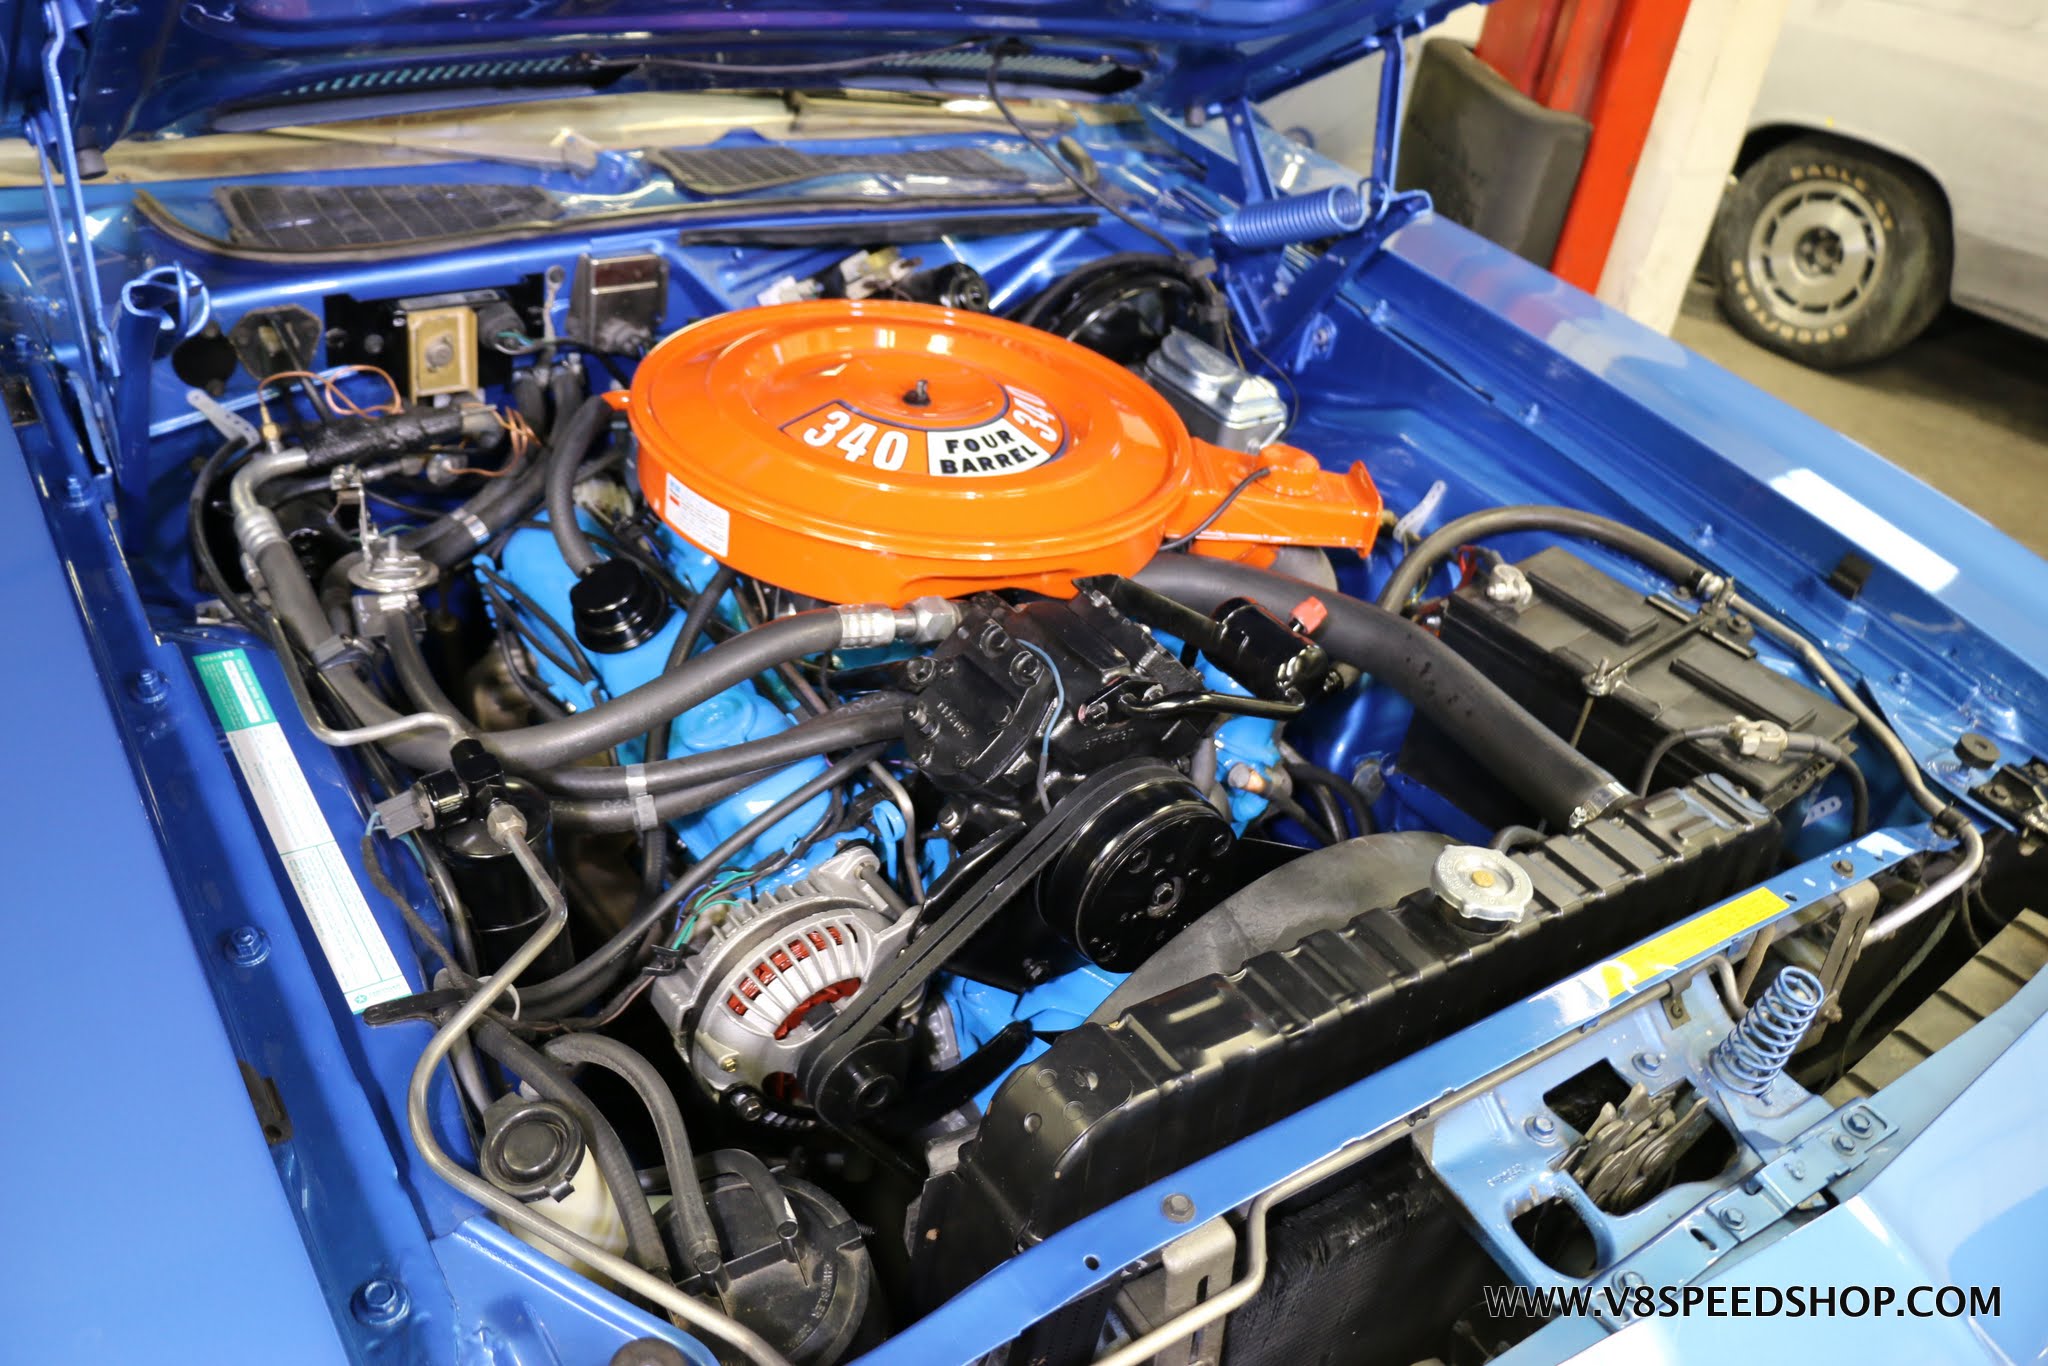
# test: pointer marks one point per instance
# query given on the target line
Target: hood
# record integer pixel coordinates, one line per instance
(138, 68)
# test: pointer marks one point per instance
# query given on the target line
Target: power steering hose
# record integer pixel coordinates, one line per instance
(1536, 763)
(508, 829)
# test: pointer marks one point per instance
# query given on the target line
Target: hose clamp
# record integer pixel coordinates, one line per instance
(645, 817)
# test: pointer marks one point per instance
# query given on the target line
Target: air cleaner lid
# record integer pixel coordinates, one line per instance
(876, 451)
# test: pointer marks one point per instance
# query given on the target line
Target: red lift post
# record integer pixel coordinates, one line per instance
(1604, 60)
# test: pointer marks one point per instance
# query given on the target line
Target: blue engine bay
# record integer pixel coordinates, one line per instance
(629, 957)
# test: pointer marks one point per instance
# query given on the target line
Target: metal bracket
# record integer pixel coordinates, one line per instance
(1191, 1268)
(1714, 1227)
(1284, 299)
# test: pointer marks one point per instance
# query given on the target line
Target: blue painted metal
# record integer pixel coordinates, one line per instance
(1953, 1195)
(1087, 1253)
(1284, 300)
(1447, 359)
(531, 1310)
(1502, 1153)
(143, 1198)
(245, 937)
(1295, 218)
(1251, 741)
(1062, 1002)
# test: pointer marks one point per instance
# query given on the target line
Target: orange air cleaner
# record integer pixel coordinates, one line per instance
(876, 451)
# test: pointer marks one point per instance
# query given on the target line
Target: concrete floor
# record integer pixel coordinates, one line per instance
(1965, 407)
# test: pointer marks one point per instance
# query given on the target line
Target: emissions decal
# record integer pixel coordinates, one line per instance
(1025, 436)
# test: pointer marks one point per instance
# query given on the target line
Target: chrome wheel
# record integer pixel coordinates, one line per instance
(1815, 253)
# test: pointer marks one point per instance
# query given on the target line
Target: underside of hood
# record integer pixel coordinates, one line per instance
(155, 67)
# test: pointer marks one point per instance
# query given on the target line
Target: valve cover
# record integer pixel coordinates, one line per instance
(876, 451)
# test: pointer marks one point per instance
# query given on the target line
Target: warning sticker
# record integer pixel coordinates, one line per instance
(1023, 437)
(357, 952)
(1688, 940)
(697, 517)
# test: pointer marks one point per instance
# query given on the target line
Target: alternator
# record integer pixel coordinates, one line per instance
(746, 1005)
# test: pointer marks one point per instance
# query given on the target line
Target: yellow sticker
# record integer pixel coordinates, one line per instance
(1683, 943)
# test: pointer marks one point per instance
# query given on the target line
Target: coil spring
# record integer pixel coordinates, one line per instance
(1755, 1052)
(1296, 218)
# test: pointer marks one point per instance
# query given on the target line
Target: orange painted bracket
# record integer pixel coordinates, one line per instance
(1299, 503)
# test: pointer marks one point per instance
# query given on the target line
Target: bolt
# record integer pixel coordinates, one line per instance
(1735, 1219)
(1859, 1123)
(1542, 1128)
(379, 1301)
(746, 1102)
(1902, 679)
(1648, 1063)
(76, 494)
(150, 688)
(1796, 1170)
(1843, 867)
(728, 1063)
(1177, 1207)
(1844, 1144)
(246, 946)
(1323, 336)
(1630, 1280)
(919, 671)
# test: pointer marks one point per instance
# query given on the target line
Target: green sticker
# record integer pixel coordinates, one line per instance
(231, 685)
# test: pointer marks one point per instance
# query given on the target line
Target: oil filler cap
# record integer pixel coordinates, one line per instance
(878, 451)
(616, 606)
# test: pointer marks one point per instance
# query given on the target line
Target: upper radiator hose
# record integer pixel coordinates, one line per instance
(1530, 759)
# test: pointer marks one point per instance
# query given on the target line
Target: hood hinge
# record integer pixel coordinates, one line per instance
(48, 130)
(1281, 292)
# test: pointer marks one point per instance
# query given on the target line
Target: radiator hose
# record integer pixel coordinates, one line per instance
(1528, 758)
